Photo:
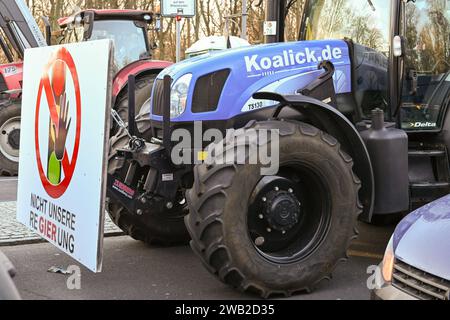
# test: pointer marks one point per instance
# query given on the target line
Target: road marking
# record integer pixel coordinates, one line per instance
(361, 254)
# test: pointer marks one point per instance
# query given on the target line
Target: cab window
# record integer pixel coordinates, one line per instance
(367, 24)
(426, 85)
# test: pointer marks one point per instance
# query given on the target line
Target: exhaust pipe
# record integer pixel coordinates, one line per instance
(276, 11)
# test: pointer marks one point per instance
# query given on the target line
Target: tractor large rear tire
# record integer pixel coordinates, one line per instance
(143, 92)
(10, 113)
(165, 228)
(221, 211)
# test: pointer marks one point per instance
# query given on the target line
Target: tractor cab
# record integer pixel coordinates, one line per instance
(127, 28)
(401, 56)
(425, 69)
(366, 28)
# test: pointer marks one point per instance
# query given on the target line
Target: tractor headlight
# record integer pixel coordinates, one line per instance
(179, 95)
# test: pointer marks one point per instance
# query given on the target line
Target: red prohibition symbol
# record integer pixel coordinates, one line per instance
(57, 65)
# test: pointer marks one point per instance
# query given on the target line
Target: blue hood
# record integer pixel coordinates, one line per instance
(282, 68)
(423, 239)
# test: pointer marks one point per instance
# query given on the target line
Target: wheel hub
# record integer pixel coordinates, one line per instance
(288, 214)
(14, 139)
(282, 210)
(10, 139)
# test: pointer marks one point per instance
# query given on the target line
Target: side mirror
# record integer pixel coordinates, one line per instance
(398, 46)
(88, 22)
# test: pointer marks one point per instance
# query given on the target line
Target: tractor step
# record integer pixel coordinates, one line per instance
(427, 153)
(429, 173)
(422, 193)
(430, 185)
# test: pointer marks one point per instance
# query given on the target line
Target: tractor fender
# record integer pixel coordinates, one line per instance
(11, 76)
(331, 121)
(137, 69)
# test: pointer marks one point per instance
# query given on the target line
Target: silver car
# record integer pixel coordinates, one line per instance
(8, 290)
(417, 261)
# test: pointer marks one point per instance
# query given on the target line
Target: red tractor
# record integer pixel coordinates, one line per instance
(10, 85)
(127, 28)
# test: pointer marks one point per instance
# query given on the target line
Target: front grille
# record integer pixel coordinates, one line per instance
(420, 284)
(208, 90)
(158, 98)
(3, 86)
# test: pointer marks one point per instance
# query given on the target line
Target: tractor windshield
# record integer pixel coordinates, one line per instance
(129, 40)
(365, 22)
(426, 84)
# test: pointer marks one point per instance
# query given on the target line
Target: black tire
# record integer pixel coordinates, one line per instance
(164, 228)
(10, 113)
(218, 216)
(144, 87)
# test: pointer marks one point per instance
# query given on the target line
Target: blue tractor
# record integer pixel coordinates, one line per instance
(362, 132)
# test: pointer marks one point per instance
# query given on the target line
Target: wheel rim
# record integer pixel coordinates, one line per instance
(289, 215)
(10, 139)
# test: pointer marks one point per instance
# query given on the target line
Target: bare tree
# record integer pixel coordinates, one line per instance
(210, 19)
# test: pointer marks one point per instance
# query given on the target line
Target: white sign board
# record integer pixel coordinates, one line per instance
(65, 126)
(270, 28)
(182, 8)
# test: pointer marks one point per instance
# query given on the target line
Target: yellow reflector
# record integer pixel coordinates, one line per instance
(202, 156)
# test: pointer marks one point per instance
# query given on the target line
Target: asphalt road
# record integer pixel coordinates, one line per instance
(135, 271)
(132, 270)
(8, 189)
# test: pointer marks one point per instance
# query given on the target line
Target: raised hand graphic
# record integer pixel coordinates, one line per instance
(61, 130)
